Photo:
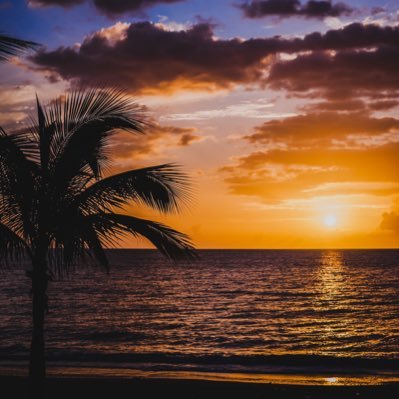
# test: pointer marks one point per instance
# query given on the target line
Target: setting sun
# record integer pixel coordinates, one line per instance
(330, 221)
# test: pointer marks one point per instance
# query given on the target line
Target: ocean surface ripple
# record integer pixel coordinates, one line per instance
(233, 307)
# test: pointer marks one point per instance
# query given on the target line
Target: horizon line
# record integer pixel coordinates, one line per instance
(273, 249)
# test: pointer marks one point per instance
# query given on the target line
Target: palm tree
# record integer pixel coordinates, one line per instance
(58, 211)
(10, 46)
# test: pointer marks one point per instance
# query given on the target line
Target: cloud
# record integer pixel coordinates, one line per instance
(291, 8)
(390, 221)
(15, 105)
(117, 7)
(337, 161)
(107, 7)
(60, 3)
(348, 73)
(294, 157)
(148, 58)
(350, 188)
(342, 104)
(384, 105)
(355, 35)
(127, 147)
(352, 104)
(130, 55)
(281, 175)
(245, 109)
(337, 129)
(188, 138)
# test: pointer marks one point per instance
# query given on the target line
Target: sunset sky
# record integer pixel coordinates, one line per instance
(285, 113)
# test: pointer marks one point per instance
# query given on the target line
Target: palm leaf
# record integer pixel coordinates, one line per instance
(51, 189)
(45, 133)
(17, 172)
(161, 187)
(11, 46)
(83, 124)
(170, 242)
(72, 238)
(12, 246)
(109, 108)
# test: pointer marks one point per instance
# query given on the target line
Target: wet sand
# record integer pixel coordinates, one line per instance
(97, 388)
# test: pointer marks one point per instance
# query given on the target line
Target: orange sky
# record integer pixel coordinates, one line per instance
(290, 141)
(276, 190)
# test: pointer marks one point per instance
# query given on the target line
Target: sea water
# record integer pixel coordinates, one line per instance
(233, 311)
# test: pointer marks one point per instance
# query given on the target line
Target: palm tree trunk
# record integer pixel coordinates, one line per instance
(37, 365)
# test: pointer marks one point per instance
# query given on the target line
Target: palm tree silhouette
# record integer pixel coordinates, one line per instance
(10, 46)
(56, 208)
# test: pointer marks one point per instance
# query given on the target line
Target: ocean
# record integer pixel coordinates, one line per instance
(245, 314)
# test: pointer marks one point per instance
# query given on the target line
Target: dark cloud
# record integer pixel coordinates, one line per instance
(291, 8)
(148, 57)
(108, 7)
(383, 105)
(61, 3)
(325, 128)
(188, 138)
(390, 221)
(352, 104)
(363, 62)
(116, 7)
(346, 73)
(137, 147)
(355, 35)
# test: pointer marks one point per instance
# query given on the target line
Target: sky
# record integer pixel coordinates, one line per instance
(283, 112)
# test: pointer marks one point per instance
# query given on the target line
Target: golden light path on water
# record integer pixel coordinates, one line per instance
(331, 276)
(333, 291)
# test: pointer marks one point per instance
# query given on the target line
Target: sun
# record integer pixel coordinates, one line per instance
(330, 221)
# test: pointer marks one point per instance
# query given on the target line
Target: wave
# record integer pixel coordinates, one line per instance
(309, 364)
(232, 307)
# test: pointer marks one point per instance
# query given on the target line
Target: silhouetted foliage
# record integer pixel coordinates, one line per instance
(58, 211)
(10, 46)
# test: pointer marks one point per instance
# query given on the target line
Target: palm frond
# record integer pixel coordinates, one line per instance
(75, 241)
(51, 193)
(45, 134)
(19, 143)
(161, 187)
(96, 246)
(111, 107)
(172, 243)
(16, 181)
(83, 123)
(11, 46)
(12, 246)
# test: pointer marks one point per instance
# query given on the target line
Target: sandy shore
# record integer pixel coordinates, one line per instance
(76, 388)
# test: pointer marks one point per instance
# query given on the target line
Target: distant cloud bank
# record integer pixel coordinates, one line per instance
(107, 7)
(143, 57)
(291, 8)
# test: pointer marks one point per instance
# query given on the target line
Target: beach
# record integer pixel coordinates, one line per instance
(196, 389)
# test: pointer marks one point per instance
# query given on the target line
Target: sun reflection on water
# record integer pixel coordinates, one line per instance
(337, 328)
(332, 380)
(331, 275)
